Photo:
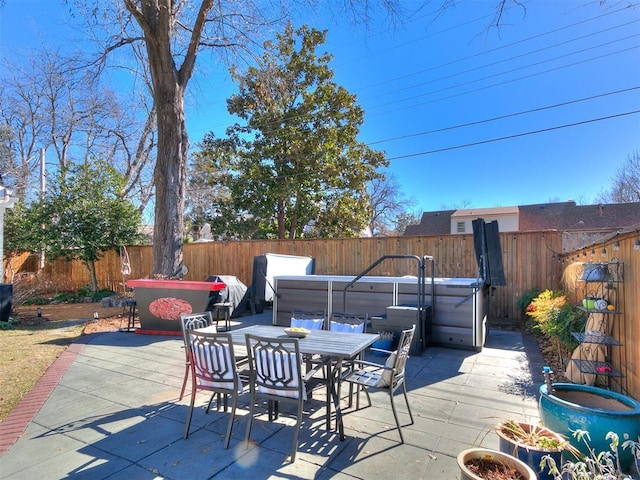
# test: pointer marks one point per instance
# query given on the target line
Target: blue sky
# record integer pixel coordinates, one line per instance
(455, 104)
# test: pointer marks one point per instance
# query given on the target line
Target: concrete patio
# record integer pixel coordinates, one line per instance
(114, 413)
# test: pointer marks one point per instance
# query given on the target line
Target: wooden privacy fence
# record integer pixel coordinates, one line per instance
(531, 260)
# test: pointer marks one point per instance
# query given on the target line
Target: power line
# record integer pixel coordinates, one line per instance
(471, 57)
(492, 140)
(517, 135)
(493, 75)
(519, 56)
(527, 76)
(486, 87)
(502, 117)
(598, 17)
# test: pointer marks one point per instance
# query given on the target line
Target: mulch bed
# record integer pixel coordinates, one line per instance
(110, 319)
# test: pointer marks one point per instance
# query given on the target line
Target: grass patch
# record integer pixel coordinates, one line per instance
(26, 352)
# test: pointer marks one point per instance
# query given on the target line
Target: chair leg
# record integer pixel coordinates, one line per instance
(297, 432)
(329, 386)
(406, 399)
(270, 410)
(215, 394)
(251, 411)
(395, 415)
(193, 400)
(234, 404)
(366, 392)
(187, 367)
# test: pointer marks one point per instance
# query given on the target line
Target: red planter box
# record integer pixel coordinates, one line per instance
(160, 302)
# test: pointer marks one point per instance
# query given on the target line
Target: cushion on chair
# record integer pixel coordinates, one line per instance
(222, 359)
(347, 327)
(308, 323)
(284, 378)
(386, 378)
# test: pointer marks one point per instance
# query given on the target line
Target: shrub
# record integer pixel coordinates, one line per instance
(82, 295)
(554, 318)
(526, 298)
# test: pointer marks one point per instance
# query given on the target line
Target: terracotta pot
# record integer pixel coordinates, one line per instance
(491, 455)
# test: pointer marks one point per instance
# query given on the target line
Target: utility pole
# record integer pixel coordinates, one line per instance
(42, 174)
(42, 193)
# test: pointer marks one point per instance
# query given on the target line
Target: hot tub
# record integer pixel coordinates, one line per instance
(458, 307)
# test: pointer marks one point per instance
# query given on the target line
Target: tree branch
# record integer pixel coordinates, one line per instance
(194, 42)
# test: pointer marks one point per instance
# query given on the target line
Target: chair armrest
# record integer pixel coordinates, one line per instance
(318, 366)
(364, 363)
(381, 350)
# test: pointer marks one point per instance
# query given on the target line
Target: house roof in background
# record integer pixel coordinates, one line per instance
(478, 212)
(560, 216)
(432, 223)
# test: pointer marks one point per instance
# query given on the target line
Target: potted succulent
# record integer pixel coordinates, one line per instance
(486, 464)
(530, 443)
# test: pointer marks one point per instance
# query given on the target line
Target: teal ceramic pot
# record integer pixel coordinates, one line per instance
(598, 411)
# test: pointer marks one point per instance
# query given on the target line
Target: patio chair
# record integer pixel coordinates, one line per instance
(311, 320)
(193, 321)
(389, 376)
(214, 369)
(348, 322)
(276, 373)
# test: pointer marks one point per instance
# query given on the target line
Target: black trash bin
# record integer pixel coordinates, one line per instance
(6, 296)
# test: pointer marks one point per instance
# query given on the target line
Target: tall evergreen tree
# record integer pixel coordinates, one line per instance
(295, 166)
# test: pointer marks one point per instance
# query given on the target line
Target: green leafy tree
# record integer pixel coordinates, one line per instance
(79, 219)
(294, 166)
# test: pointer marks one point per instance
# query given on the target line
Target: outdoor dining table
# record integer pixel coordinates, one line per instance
(333, 346)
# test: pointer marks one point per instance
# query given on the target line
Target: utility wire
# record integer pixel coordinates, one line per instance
(481, 142)
(523, 67)
(415, 105)
(508, 137)
(515, 57)
(471, 57)
(368, 111)
(502, 117)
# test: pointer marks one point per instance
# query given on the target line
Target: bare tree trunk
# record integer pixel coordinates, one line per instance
(156, 19)
(170, 179)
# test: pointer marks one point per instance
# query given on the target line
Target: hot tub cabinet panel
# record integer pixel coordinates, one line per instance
(294, 295)
(457, 318)
(364, 297)
(160, 302)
